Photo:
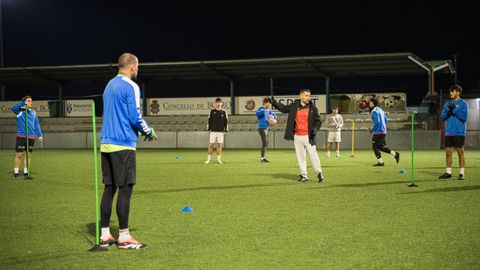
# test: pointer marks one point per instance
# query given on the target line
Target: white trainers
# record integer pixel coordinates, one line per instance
(338, 154)
(328, 154)
(219, 162)
(206, 162)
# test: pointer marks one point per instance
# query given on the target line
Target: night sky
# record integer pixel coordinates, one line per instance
(49, 32)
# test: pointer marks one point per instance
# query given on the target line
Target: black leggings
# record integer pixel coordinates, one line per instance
(264, 136)
(123, 205)
(379, 144)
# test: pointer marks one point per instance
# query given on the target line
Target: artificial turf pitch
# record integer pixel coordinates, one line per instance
(246, 214)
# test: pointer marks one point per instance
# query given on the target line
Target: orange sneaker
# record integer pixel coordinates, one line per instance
(130, 244)
(107, 242)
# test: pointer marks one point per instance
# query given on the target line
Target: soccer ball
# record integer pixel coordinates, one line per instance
(272, 121)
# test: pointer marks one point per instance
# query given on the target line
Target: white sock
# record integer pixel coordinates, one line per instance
(218, 157)
(338, 153)
(462, 171)
(449, 170)
(209, 157)
(380, 160)
(392, 153)
(15, 170)
(105, 232)
(124, 234)
(25, 170)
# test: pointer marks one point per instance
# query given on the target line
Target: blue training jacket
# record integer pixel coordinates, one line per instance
(33, 123)
(122, 119)
(456, 123)
(263, 115)
(379, 121)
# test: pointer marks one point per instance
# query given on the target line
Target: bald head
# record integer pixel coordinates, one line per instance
(127, 59)
(128, 65)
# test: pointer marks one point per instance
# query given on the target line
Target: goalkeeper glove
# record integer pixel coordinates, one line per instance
(151, 136)
(451, 107)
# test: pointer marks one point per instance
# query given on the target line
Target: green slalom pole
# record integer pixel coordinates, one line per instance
(26, 131)
(97, 246)
(413, 184)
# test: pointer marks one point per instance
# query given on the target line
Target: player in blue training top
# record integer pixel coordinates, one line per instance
(379, 132)
(122, 122)
(20, 110)
(266, 117)
(455, 112)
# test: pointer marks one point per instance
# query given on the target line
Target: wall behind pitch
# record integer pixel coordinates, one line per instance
(396, 140)
(193, 139)
(66, 140)
(247, 139)
(8, 140)
(281, 143)
(165, 140)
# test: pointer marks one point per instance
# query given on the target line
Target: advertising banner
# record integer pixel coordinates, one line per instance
(249, 105)
(40, 106)
(79, 107)
(186, 106)
(359, 103)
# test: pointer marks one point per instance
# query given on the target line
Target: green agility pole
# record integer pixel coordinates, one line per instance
(413, 184)
(97, 246)
(27, 162)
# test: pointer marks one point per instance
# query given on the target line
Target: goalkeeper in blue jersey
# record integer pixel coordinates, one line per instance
(455, 113)
(122, 122)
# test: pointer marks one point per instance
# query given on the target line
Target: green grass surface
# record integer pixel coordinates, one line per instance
(246, 215)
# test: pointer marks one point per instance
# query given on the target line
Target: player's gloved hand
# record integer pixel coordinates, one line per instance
(151, 136)
(451, 107)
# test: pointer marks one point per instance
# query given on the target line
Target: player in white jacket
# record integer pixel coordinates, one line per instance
(334, 125)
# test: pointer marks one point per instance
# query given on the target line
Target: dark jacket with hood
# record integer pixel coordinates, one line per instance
(314, 122)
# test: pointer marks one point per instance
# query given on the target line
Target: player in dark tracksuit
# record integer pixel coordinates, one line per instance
(379, 132)
(455, 113)
(217, 128)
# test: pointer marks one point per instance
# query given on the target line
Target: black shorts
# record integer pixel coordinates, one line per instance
(21, 145)
(455, 141)
(119, 168)
(379, 140)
